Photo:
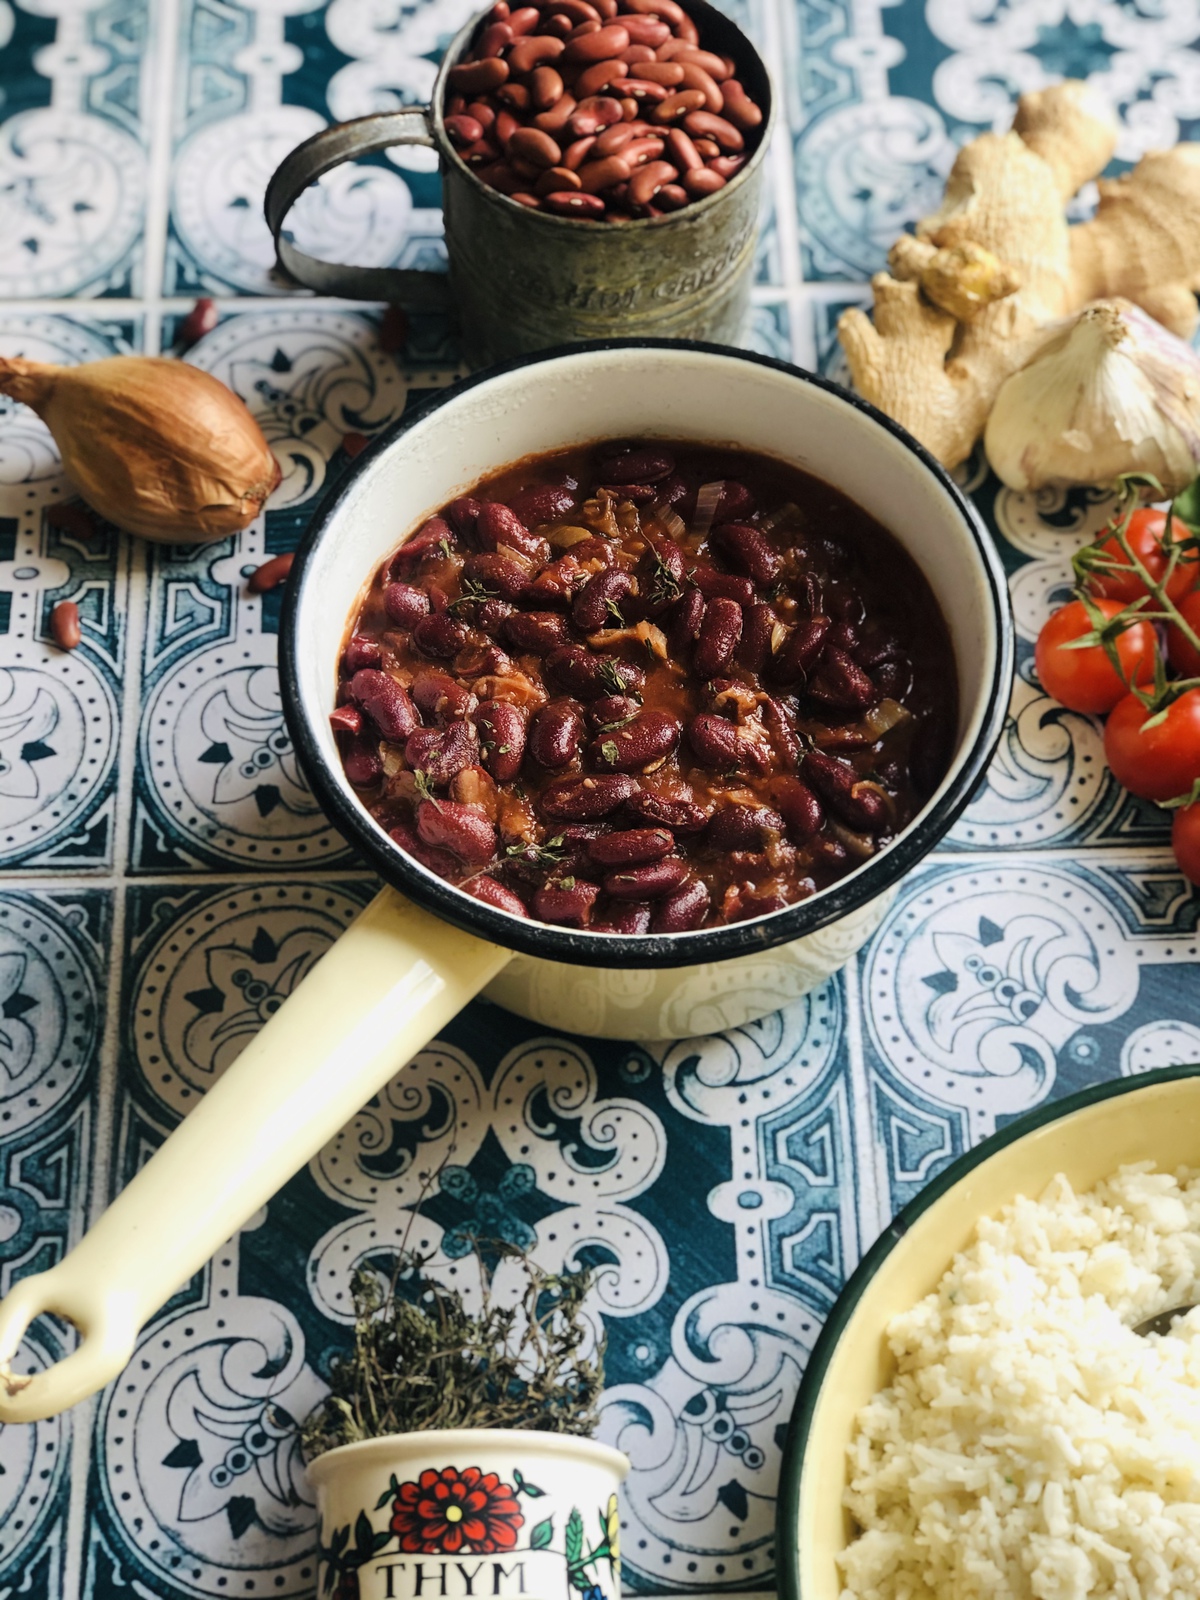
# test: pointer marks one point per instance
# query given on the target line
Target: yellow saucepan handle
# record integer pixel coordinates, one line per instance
(393, 979)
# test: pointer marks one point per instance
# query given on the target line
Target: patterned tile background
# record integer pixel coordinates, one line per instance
(166, 875)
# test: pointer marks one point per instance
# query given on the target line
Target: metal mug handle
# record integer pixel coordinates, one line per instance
(347, 141)
(388, 985)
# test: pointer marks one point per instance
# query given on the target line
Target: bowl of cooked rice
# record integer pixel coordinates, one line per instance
(979, 1420)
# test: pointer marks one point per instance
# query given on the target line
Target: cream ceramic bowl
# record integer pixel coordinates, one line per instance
(422, 949)
(1087, 1136)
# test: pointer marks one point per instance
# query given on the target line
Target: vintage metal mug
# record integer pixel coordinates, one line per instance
(422, 948)
(524, 280)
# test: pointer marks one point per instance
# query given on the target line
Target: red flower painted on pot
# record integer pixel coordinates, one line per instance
(448, 1511)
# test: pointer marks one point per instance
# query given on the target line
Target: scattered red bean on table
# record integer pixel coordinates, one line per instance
(605, 112)
(64, 625)
(646, 687)
(271, 574)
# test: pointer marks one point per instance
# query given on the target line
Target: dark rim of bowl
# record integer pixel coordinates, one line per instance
(787, 1508)
(577, 947)
(701, 10)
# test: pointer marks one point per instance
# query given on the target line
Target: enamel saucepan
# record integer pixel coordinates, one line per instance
(422, 949)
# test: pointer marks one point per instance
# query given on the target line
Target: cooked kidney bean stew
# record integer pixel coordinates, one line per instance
(643, 687)
(603, 112)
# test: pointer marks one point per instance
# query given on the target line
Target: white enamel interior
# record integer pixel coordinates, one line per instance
(672, 394)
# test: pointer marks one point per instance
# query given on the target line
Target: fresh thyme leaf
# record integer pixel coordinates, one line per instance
(539, 855)
(424, 787)
(472, 592)
(664, 585)
(566, 883)
(610, 752)
(607, 672)
(444, 547)
(614, 612)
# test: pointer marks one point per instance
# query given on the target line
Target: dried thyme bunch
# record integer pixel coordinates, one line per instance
(421, 1361)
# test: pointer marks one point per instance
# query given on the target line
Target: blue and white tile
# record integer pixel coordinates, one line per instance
(74, 154)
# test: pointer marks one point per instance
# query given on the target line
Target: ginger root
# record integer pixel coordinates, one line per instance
(970, 297)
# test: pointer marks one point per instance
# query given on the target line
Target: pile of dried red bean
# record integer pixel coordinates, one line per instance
(600, 109)
(642, 687)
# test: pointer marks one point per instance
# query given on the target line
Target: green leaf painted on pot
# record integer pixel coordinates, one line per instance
(385, 1498)
(382, 1537)
(364, 1534)
(574, 1536)
(341, 1538)
(542, 1534)
(525, 1487)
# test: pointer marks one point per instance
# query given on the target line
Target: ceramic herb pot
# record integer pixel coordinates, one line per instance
(469, 1514)
(423, 948)
(523, 280)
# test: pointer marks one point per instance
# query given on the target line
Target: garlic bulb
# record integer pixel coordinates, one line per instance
(157, 447)
(1109, 392)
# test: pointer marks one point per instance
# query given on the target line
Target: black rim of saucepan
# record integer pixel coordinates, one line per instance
(577, 947)
(787, 1509)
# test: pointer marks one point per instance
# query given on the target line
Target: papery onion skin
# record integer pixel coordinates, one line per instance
(157, 447)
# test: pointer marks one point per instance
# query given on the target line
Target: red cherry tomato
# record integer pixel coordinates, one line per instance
(1085, 679)
(1145, 533)
(1185, 841)
(1183, 656)
(1158, 763)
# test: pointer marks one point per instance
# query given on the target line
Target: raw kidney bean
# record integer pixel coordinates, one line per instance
(362, 761)
(671, 197)
(715, 743)
(596, 176)
(385, 702)
(842, 682)
(727, 166)
(860, 805)
(755, 649)
(648, 882)
(555, 181)
(799, 807)
(684, 621)
(556, 121)
(646, 739)
(739, 107)
(583, 799)
(261, 581)
(543, 503)
(466, 831)
(631, 847)
(566, 204)
(695, 77)
(495, 894)
(706, 125)
(361, 652)
(723, 585)
(720, 632)
(442, 753)
(405, 604)
(612, 710)
(683, 817)
(534, 146)
(463, 130)
(602, 45)
(745, 548)
(572, 907)
(801, 650)
(731, 822)
(501, 572)
(738, 827)
(596, 605)
(545, 87)
(700, 182)
(648, 180)
(631, 916)
(675, 107)
(589, 676)
(555, 734)
(437, 694)
(478, 77)
(501, 729)
(683, 909)
(537, 631)
(440, 635)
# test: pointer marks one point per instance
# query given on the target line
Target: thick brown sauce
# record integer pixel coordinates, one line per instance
(833, 561)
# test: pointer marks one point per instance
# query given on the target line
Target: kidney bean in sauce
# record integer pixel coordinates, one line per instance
(716, 687)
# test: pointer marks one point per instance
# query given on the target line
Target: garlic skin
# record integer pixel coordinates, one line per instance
(159, 448)
(1108, 392)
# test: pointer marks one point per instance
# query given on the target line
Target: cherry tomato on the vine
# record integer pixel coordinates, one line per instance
(1084, 679)
(1145, 533)
(1185, 841)
(1183, 655)
(1159, 762)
